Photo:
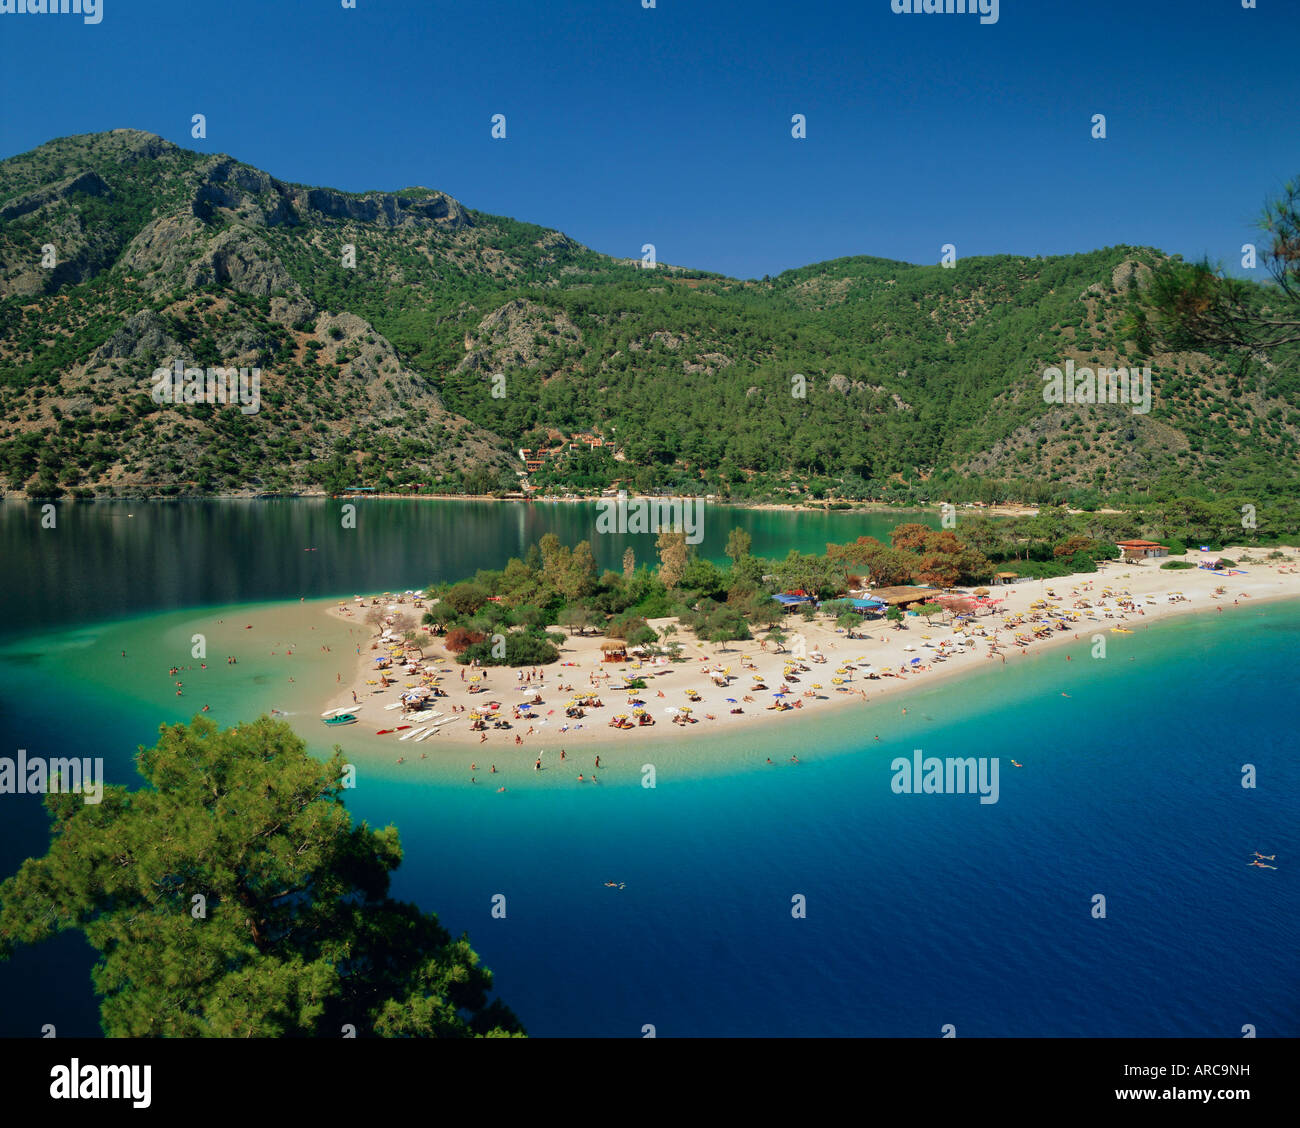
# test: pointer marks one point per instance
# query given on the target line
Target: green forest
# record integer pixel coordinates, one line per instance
(410, 343)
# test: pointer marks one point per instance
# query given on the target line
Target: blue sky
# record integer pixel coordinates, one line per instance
(672, 125)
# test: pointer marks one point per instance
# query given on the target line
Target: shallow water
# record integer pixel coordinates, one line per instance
(922, 910)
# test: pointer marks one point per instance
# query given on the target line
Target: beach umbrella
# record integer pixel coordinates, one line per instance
(731, 700)
(909, 648)
(817, 685)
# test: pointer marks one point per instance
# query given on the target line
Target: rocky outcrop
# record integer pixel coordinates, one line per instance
(385, 209)
(144, 337)
(88, 182)
(245, 193)
(516, 335)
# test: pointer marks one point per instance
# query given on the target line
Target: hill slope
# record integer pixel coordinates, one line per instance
(863, 376)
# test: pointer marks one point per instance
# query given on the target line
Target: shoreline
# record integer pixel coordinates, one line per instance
(1007, 510)
(942, 651)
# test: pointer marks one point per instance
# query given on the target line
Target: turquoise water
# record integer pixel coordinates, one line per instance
(922, 910)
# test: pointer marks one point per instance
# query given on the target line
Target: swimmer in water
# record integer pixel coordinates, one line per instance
(1065, 695)
(1266, 857)
(1016, 763)
(1261, 865)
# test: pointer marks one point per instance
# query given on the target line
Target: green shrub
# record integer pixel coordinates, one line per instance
(522, 649)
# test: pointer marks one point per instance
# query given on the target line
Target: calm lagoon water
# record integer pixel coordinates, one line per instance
(922, 910)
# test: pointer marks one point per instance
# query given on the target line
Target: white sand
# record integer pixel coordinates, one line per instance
(879, 644)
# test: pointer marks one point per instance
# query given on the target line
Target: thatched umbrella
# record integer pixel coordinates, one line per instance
(982, 591)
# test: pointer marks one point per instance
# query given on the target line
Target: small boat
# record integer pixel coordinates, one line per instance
(334, 712)
(1120, 630)
(341, 719)
(413, 732)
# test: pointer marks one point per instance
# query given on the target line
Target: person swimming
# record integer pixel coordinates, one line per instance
(1261, 865)
(1017, 764)
(1266, 857)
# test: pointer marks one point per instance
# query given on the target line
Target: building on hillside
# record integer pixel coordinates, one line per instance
(1141, 549)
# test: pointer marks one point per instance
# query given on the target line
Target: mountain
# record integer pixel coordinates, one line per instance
(450, 338)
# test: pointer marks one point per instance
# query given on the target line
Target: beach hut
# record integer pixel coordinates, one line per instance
(1135, 550)
(613, 650)
(903, 595)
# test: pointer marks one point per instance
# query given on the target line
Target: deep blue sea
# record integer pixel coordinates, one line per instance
(921, 910)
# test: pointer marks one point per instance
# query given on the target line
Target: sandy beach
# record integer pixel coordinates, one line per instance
(726, 688)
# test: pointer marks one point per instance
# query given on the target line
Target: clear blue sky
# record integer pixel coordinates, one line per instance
(672, 125)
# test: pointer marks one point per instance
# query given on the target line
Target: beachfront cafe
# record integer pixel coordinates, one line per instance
(902, 596)
(1135, 550)
(867, 606)
(789, 600)
(613, 650)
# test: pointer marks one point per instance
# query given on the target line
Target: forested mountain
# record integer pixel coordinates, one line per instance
(458, 337)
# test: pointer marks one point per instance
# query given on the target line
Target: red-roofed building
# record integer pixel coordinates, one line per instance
(1141, 549)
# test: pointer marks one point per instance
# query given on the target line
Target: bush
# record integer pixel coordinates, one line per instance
(459, 639)
(1225, 562)
(1039, 569)
(1174, 565)
(522, 649)
(1176, 547)
(466, 598)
